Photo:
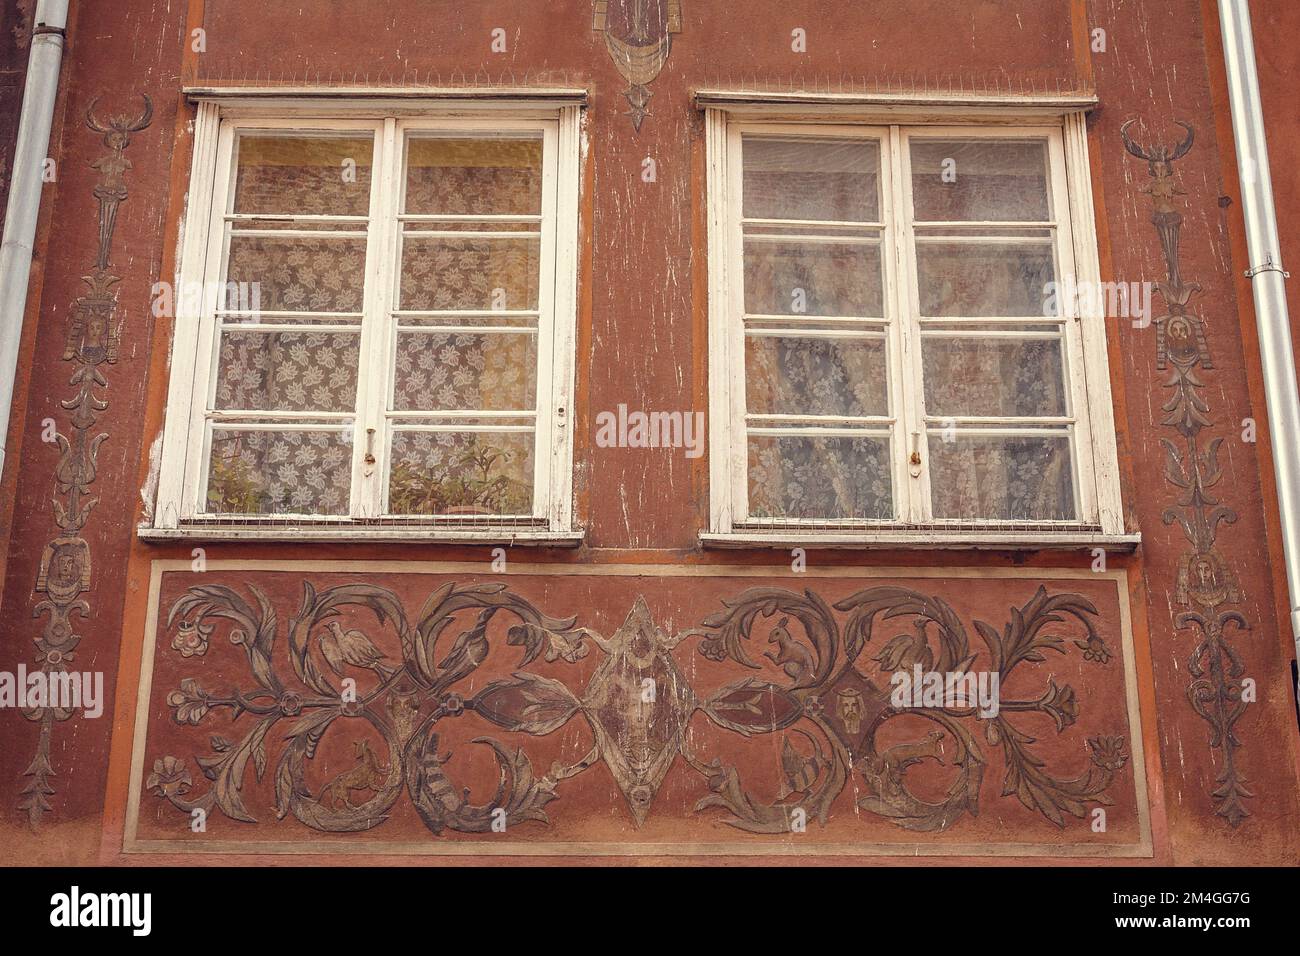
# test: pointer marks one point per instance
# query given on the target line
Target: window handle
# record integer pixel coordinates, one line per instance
(914, 462)
(370, 451)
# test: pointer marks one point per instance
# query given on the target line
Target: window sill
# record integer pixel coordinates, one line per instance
(969, 540)
(520, 537)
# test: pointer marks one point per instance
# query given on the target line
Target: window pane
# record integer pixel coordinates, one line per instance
(809, 477)
(485, 176)
(788, 375)
(967, 279)
(979, 180)
(488, 371)
(439, 274)
(461, 473)
(784, 277)
(314, 274)
(467, 472)
(976, 477)
(524, 226)
(302, 175)
(288, 371)
(259, 471)
(993, 377)
(508, 320)
(811, 179)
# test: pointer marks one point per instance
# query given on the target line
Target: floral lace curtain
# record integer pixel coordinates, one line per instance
(812, 281)
(434, 467)
(492, 366)
(1004, 370)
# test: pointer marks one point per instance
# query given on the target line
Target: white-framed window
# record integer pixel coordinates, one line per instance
(896, 342)
(375, 323)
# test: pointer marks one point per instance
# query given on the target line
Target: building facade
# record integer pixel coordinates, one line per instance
(646, 429)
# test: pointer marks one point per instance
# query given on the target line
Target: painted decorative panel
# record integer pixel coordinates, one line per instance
(94, 339)
(444, 709)
(1207, 584)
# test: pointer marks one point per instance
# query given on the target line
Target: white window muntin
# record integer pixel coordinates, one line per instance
(1096, 499)
(192, 393)
(918, 421)
(220, 226)
(387, 421)
(744, 424)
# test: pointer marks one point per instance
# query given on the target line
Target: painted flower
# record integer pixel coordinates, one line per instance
(290, 704)
(191, 702)
(714, 647)
(1108, 752)
(1060, 703)
(1094, 649)
(718, 776)
(169, 778)
(191, 639)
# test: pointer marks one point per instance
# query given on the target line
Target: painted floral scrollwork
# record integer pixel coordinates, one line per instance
(401, 701)
(838, 697)
(94, 334)
(831, 705)
(1206, 583)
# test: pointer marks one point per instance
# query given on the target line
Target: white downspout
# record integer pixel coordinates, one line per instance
(1267, 282)
(30, 152)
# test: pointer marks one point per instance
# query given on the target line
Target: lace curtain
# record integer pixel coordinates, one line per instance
(823, 364)
(305, 467)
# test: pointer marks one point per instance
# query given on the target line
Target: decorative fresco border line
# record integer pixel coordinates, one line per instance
(132, 844)
(1205, 584)
(93, 341)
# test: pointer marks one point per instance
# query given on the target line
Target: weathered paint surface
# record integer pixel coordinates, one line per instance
(641, 342)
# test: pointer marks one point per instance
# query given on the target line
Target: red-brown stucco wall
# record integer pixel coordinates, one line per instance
(642, 341)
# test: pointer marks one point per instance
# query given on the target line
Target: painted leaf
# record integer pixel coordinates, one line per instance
(527, 703)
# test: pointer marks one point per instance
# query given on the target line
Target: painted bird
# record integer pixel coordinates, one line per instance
(469, 651)
(348, 647)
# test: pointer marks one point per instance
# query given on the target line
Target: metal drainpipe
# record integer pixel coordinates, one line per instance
(30, 151)
(1267, 282)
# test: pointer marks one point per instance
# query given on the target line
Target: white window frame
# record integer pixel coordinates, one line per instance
(178, 508)
(1094, 455)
